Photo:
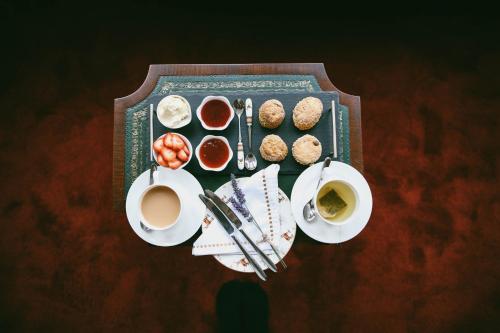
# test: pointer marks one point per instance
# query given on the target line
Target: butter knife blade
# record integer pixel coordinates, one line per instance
(222, 219)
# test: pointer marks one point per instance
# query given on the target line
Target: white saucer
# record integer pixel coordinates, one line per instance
(288, 228)
(190, 220)
(303, 190)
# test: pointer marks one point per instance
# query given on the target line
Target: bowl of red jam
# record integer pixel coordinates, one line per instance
(215, 113)
(213, 153)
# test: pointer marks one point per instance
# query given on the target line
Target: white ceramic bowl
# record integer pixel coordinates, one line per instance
(211, 98)
(188, 143)
(208, 137)
(164, 101)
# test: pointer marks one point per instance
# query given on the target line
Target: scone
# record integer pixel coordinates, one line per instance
(306, 149)
(307, 113)
(273, 148)
(271, 113)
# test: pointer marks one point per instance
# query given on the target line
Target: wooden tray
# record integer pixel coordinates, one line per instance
(157, 71)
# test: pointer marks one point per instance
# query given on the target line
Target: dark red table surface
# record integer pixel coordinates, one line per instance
(427, 261)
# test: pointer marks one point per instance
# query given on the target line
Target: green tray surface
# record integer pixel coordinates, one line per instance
(289, 89)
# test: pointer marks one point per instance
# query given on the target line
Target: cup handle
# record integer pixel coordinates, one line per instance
(156, 176)
(153, 175)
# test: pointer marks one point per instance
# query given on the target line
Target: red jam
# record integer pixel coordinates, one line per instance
(215, 113)
(214, 153)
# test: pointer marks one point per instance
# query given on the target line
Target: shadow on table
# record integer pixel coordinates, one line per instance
(242, 306)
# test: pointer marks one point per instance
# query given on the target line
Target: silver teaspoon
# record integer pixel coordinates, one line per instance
(239, 105)
(308, 211)
(250, 160)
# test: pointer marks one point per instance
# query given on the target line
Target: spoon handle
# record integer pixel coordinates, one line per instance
(248, 113)
(326, 163)
(250, 136)
(241, 162)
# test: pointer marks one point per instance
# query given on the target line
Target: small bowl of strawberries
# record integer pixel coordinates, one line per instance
(172, 150)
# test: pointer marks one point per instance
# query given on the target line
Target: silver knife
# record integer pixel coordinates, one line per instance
(223, 220)
(250, 218)
(237, 223)
(334, 130)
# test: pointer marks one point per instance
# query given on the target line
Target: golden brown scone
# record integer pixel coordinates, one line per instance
(306, 149)
(307, 113)
(273, 148)
(271, 113)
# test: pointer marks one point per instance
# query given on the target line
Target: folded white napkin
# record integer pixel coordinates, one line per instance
(261, 194)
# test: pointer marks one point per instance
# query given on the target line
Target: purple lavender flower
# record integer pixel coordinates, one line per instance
(239, 207)
(237, 190)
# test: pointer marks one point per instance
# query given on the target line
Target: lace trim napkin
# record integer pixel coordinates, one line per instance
(261, 193)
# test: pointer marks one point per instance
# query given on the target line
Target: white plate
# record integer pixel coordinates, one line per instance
(238, 262)
(190, 220)
(303, 190)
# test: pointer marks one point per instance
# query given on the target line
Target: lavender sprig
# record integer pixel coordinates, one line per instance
(240, 204)
(237, 190)
(239, 207)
